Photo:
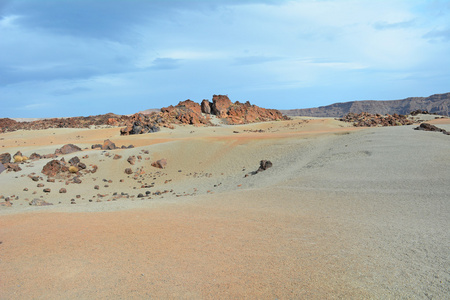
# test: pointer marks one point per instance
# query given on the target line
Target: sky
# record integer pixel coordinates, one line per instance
(62, 58)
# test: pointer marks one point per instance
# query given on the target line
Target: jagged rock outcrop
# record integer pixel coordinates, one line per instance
(435, 104)
(185, 112)
(220, 105)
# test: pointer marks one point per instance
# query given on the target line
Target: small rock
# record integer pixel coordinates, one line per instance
(47, 190)
(128, 171)
(62, 191)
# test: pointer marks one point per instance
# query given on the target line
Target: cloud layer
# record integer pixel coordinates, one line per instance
(91, 57)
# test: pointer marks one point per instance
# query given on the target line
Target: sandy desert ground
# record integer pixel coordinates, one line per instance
(344, 213)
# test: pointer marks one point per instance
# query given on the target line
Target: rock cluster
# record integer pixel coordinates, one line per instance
(189, 112)
(365, 119)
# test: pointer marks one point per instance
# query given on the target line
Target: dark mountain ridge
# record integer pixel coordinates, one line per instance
(437, 104)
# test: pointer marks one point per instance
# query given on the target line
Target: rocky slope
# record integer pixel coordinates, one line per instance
(438, 104)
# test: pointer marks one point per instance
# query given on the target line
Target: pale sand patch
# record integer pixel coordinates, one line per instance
(343, 213)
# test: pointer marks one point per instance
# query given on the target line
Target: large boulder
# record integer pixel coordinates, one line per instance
(206, 106)
(54, 167)
(220, 105)
(66, 149)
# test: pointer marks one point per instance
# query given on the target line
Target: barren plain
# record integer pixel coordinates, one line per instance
(344, 212)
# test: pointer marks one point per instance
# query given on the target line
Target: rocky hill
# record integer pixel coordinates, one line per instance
(185, 112)
(438, 104)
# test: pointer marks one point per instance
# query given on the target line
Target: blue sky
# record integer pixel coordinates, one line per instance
(63, 58)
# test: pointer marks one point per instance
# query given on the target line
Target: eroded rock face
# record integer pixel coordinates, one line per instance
(67, 149)
(140, 124)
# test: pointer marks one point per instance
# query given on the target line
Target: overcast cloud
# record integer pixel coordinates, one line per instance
(80, 57)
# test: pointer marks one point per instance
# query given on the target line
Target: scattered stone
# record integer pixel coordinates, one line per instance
(39, 202)
(96, 146)
(161, 163)
(62, 191)
(67, 149)
(74, 161)
(81, 165)
(47, 190)
(108, 145)
(50, 180)
(40, 185)
(77, 180)
(131, 160)
(25, 189)
(117, 156)
(12, 167)
(35, 156)
(96, 187)
(128, 171)
(140, 195)
(35, 178)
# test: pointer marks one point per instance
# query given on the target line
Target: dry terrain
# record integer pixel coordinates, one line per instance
(343, 213)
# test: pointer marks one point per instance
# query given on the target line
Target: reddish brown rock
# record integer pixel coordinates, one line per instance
(220, 105)
(128, 171)
(5, 158)
(35, 156)
(62, 191)
(161, 163)
(131, 160)
(206, 106)
(67, 149)
(117, 156)
(108, 145)
(12, 167)
(54, 167)
(47, 190)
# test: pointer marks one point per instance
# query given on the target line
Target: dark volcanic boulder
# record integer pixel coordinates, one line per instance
(264, 165)
(66, 149)
(74, 161)
(430, 127)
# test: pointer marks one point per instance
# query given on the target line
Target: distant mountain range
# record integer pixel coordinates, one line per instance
(438, 103)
